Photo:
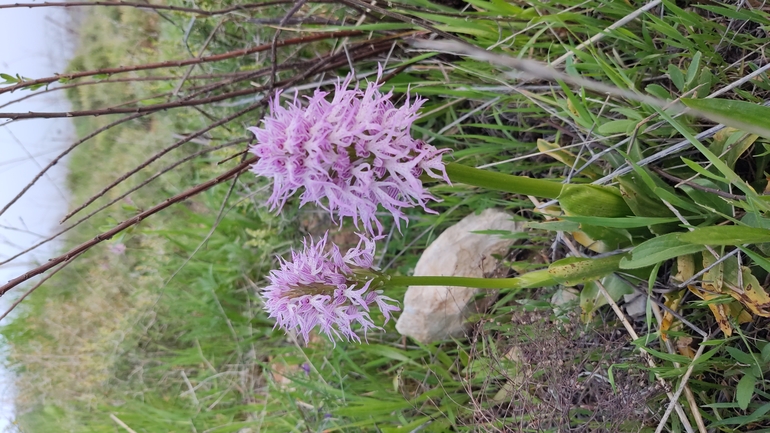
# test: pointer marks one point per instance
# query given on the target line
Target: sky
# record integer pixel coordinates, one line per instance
(34, 43)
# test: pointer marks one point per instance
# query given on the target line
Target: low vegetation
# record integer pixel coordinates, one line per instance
(162, 328)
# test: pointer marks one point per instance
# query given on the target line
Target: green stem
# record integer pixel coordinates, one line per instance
(503, 182)
(532, 279)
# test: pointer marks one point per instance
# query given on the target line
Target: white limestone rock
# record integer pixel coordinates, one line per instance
(433, 313)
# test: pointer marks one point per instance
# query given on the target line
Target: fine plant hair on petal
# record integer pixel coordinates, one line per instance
(321, 287)
(323, 65)
(348, 154)
(534, 69)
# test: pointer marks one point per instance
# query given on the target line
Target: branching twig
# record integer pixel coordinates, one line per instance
(323, 64)
(177, 63)
(131, 110)
(274, 43)
(85, 246)
(694, 185)
(202, 12)
(63, 154)
(164, 151)
(115, 200)
(122, 80)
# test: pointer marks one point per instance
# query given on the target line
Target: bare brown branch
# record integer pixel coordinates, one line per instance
(130, 110)
(122, 196)
(33, 288)
(164, 151)
(63, 154)
(201, 12)
(323, 64)
(125, 80)
(177, 63)
(85, 246)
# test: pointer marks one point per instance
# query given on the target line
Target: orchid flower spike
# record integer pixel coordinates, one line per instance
(321, 287)
(348, 154)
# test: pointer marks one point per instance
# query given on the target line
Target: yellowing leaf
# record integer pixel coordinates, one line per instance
(714, 277)
(719, 310)
(683, 347)
(566, 157)
(685, 266)
(593, 245)
(753, 296)
(672, 301)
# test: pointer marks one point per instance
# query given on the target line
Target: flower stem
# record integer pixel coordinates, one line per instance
(503, 182)
(532, 279)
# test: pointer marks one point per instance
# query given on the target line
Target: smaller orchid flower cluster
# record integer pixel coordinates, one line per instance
(349, 155)
(321, 287)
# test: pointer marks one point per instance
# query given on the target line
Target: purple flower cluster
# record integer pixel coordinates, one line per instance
(348, 154)
(326, 289)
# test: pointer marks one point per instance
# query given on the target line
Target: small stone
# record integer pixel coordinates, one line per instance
(433, 313)
(635, 304)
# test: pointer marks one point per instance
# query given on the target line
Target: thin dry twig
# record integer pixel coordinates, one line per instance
(178, 63)
(132, 110)
(682, 385)
(122, 196)
(124, 80)
(164, 151)
(599, 36)
(63, 154)
(33, 288)
(630, 329)
(698, 187)
(156, 7)
(85, 246)
(274, 43)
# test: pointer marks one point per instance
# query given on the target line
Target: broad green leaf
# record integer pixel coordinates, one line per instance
(620, 223)
(742, 115)
(702, 171)
(755, 219)
(657, 250)
(593, 200)
(708, 200)
(766, 354)
(693, 69)
(617, 126)
(745, 390)
(576, 270)
(676, 75)
(591, 297)
(725, 235)
(740, 356)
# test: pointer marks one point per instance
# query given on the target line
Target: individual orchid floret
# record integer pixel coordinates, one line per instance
(321, 287)
(348, 154)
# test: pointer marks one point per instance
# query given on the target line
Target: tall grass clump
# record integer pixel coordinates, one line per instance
(216, 138)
